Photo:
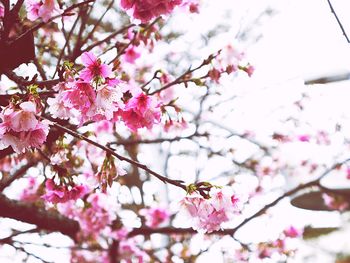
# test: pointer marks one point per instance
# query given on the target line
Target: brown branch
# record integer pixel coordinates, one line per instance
(339, 23)
(18, 174)
(158, 140)
(41, 24)
(43, 219)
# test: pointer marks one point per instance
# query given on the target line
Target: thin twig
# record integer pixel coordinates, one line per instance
(113, 153)
(339, 23)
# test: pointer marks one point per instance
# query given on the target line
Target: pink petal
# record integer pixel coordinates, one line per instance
(88, 58)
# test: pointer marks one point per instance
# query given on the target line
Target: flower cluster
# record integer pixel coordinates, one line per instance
(97, 96)
(141, 111)
(20, 127)
(61, 194)
(44, 9)
(208, 214)
(145, 10)
(155, 216)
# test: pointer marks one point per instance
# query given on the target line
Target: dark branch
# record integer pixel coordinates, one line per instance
(40, 217)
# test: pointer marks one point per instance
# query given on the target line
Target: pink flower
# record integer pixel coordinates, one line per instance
(80, 96)
(292, 232)
(348, 173)
(304, 138)
(94, 69)
(107, 102)
(20, 128)
(131, 54)
(141, 111)
(54, 194)
(60, 194)
(24, 119)
(208, 214)
(44, 9)
(155, 216)
(145, 10)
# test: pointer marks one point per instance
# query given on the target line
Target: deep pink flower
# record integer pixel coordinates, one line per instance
(304, 138)
(145, 10)
(292, 232)
(54, 194)
(60, 194)
(94, 68)
(141, 111)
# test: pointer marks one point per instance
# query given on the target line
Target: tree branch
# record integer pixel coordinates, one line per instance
(339, 23)
(43, 219)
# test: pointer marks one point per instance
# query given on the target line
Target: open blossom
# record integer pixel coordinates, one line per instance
(141, 111)
(20, 128)
(145, 10)
(155, 216)
(44, 9)
(61, 194)
(79, 95)
(94, 68)
(208, 214)
(107, 102)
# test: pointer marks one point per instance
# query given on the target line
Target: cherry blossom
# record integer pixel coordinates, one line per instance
(44, 9)
(207, 215)
(141, 111)
(20, 127)
(94, 68)
(61, 194)
(146, 10)
(155, 216)
(292, 232)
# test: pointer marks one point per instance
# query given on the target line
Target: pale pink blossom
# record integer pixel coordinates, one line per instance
(20, 127)
(24, 119)
(207, 215)
(155, 216)
(44, 9)
(107, 102)
(131, 54)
